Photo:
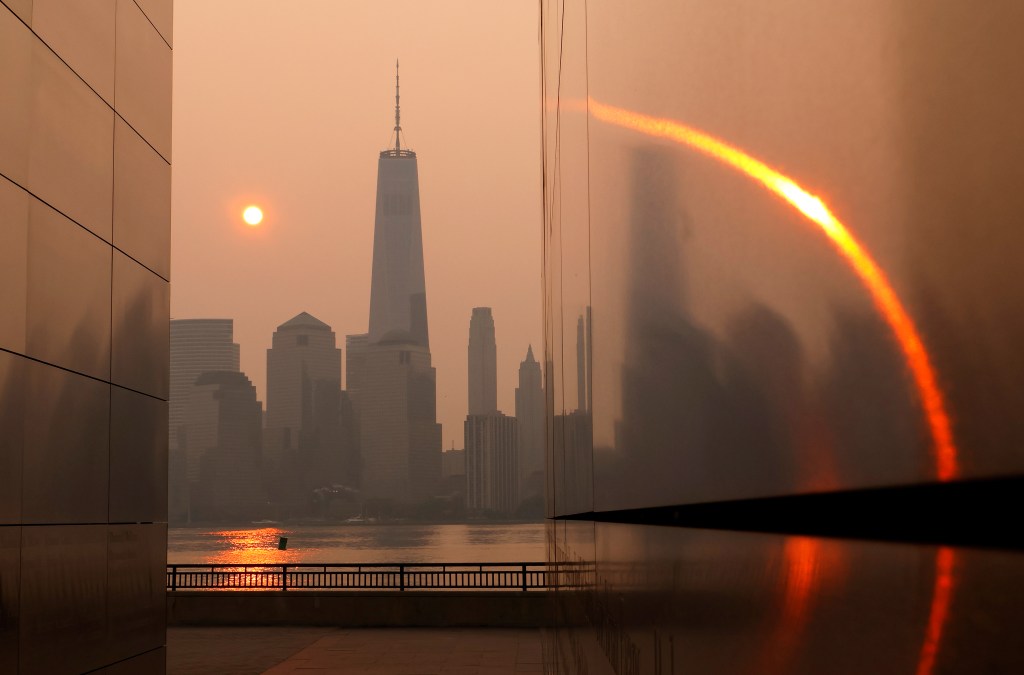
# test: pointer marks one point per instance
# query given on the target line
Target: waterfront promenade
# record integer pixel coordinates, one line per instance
(369, 651)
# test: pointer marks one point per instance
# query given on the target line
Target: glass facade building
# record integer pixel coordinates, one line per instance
(85, 149)
(783, 335)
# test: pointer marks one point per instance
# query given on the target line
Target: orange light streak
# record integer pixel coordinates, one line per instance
(864, 266)
(942, 595)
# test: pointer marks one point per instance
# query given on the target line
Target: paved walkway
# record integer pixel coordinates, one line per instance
(369, 651)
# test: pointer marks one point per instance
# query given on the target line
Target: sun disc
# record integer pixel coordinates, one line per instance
(252, 215)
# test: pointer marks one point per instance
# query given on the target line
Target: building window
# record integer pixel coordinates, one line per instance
(302, 340)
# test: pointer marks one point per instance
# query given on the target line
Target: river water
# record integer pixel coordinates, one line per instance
(358, 543)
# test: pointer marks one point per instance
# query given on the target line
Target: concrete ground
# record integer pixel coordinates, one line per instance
(353, 651)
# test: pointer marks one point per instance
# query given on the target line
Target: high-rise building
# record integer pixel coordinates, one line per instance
(584, 385)
(309, 440)
(492, 467)
(483, 367)
(197, 346)
(530, 420)
(221, 438)
(391, 376)
(303, 354)
(355, 347)
(398, 296)
(85, 193)
(400, 439)
(453, 463)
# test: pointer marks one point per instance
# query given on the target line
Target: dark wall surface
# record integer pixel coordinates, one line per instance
(85, 127)
(791, 233)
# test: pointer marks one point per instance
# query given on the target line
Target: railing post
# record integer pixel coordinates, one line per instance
(401, 577)
(524, 577)
(174, 577)
(284, 577)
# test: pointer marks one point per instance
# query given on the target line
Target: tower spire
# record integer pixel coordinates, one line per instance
(398, 114)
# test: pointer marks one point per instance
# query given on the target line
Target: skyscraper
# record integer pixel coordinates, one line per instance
(530, 418)
(355, 349)
(483, 368)
(492, 466)
(221, 440)
(398, 296)
(399, 438)
(197, 346)
(584, 385)
(303, 354)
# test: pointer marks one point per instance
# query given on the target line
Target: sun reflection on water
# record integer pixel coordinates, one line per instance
(252, 547)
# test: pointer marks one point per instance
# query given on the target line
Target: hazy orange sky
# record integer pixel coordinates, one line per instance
(287, 105)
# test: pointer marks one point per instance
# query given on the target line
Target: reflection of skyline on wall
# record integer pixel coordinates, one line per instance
(751, 371)
(85, 130)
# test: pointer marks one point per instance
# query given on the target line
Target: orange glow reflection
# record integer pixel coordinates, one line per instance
(863, 265)
(942, 594)
(808, 568)
(252, 547)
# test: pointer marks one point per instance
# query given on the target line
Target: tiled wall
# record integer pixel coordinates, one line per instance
(85, 129)
(739, 351)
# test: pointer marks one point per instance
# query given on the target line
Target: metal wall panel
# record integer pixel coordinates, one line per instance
(63, 598)
(13, 264)
(13, 380)
(161, 14)
(151, 663)
(75, 594)
(143, 84)
(142, 201)
(141, 328)
(136, 589)
(673, 600)
(10, 588)
(138, 457)
(64, 476)
(16, 56)
(55, 133)
(738, 350)
(794, 233)
(21, 8)
(81, 32)
(68, 314)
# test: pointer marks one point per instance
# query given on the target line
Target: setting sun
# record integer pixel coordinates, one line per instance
(252, 215)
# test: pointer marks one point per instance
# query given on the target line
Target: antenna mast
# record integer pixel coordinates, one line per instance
(398, 115)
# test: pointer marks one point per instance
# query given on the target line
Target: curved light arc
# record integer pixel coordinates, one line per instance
(853, 252)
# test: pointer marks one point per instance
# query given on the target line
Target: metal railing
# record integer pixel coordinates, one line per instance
(356, 577)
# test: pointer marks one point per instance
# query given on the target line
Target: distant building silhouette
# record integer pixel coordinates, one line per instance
(584, 385)
(303, 353)
(309, 437)
(391, 376)
(222, 441)
(530, 421)
(197, 346)
(483, 368)
(400, 439)
(355, 349)
(492, 466)
(453, 463)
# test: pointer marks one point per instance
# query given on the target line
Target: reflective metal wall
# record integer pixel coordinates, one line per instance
(85, 108)
(781, 252)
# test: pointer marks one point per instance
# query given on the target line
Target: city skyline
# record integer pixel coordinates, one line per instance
(304, 149)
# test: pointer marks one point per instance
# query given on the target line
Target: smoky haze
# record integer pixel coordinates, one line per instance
(287, 105)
